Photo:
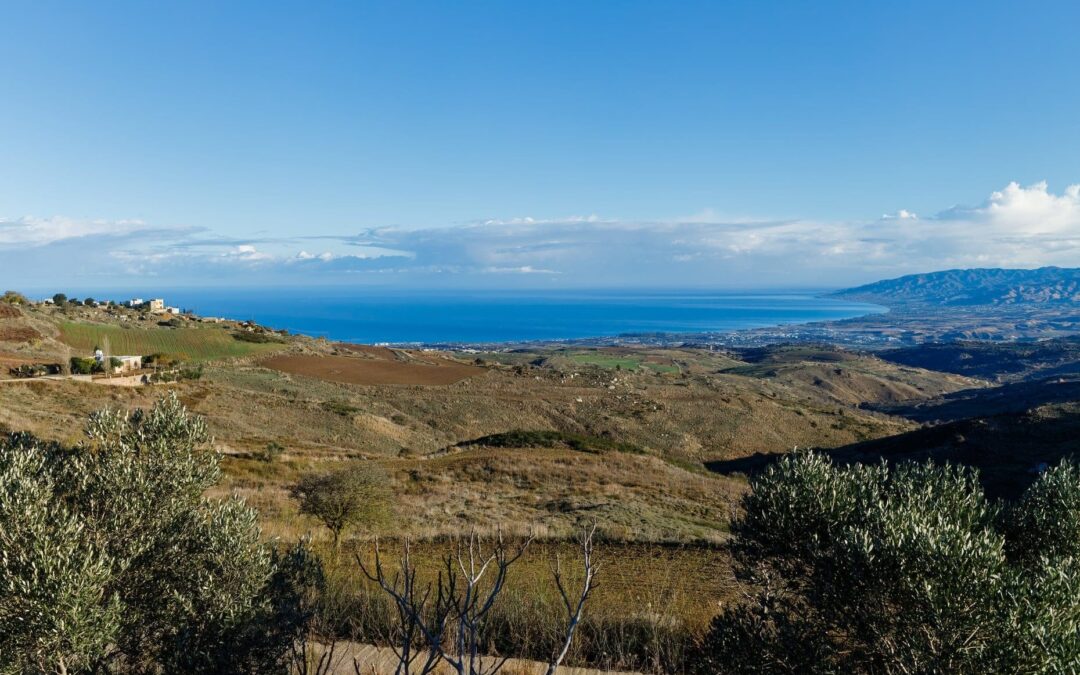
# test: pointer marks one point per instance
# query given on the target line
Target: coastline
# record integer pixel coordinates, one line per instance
(476, 320)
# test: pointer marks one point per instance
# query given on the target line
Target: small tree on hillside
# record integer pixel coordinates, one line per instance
(59, 299)
(272, 452)
(14, 298)
(354, 495)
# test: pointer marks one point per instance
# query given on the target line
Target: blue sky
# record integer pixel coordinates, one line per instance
(534, 144)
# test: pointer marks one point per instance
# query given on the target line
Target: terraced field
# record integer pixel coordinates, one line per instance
(371, 371)
(193, 344)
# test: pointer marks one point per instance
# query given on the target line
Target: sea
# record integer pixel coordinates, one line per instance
(491, 316)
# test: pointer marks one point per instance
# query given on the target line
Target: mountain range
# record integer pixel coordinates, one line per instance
(985, 286)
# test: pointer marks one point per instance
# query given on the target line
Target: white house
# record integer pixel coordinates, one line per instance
(128, 363)
(134, 302)
(156, 305)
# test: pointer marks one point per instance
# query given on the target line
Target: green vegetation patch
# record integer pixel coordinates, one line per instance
(607, 361)
(340, 408)
(194, 344)
(519, 438)
(258, 337)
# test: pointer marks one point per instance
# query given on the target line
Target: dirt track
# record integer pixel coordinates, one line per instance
(371, 371)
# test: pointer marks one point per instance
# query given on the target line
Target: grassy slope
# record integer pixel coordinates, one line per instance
(195, 344)
(716, 407)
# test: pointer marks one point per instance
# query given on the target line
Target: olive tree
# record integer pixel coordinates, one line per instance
(901, 569)
(346, 497)
(55, 614)
(113, 558)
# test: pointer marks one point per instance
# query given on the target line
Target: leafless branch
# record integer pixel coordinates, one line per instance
(574, 608)
(442, 623)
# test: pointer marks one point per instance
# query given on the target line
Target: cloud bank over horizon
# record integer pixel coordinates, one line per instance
(1016, 226)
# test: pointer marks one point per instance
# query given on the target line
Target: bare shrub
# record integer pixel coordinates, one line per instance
(444, 621)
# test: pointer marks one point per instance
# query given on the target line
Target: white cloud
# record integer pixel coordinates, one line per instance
(1015, 226)
(245, 253)
(325, 256)
(33, 231)
(902, 214)
(524, 269)
(1033, 210)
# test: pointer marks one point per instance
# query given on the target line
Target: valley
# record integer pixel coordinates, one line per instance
(653, 444)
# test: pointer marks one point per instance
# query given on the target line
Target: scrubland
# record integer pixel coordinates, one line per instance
(628, 436)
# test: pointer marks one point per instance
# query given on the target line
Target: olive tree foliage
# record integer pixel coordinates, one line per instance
(901, 569)
(55, 615)
(112, 559)
(353, 495)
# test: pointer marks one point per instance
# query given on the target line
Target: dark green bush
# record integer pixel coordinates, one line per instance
(519, 438)
(902, 569)
(85, 366)
(340, 408)
(160, 360)
(257, 337)
(272, 452)
(35, 370)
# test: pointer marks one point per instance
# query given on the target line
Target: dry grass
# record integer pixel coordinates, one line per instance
(546, 490)
(704, 413)
(650, 601)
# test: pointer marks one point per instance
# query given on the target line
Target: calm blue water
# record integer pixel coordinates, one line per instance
(432, 317)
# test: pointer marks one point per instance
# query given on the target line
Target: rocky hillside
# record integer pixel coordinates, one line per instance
(1001, 287)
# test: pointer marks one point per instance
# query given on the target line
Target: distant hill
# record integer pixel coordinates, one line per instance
(994, 361)
(1006, 448)
(1001, 287)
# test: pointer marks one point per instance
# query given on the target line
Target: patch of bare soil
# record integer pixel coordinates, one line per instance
(384, 353)
(18, 333)
(8, 361)
(369, 371)
(8, 311)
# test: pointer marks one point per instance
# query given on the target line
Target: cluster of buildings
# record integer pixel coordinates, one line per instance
(155, 305)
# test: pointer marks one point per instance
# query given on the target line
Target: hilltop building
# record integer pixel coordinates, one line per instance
(127, 364)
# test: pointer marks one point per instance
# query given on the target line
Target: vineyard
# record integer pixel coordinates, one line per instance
(192, 344)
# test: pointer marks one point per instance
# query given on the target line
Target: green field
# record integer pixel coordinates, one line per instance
(622, 362)
(192, 344)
